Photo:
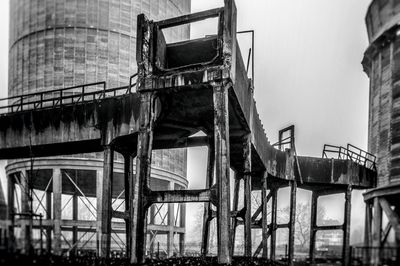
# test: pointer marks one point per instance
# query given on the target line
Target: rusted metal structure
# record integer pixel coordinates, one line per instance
(60, 44)
(183, 88)
(381, 63)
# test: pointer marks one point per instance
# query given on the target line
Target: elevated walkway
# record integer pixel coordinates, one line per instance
(182, 88)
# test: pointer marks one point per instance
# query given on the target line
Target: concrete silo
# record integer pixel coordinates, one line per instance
(382, 64)
(64, 43)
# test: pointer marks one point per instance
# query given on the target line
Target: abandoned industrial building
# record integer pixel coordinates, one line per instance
(106, 97)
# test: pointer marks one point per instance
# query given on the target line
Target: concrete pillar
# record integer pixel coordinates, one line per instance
(10, 210)
(377, 232)
(143, 170)
(367, 232)
(235, 204)
(247, 195)
(48, 217)
(171, 224)
(104, 211)
(25, 210)
(182, 225)
(128, 180)
(346, 228)
(57, 191)
(313, 224)
(207, 205)
(274, 210)
(264, 216)
(292, 221)
(222, 168)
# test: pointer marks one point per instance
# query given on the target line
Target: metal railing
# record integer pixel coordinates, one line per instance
(62, 97)
(352, 153)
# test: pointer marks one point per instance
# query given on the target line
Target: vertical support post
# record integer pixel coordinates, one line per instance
(377, 232)
(313, 224)
(128, 162)
(104, 211)
(346, 227)
(10, 210)
(247, 195)
(207, 205)
(292, 221)
(152, 220)
(48, 218)
(222, 168)
(57, 190)
(235, 204)
(171, 221)
(182, 225)
(264, 216)
(274, 210)
(143, 169)
(25, 223)
(367, 232)
(75, 216)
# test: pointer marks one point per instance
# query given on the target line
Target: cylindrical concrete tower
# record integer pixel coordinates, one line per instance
(58, 44)
(382, 64)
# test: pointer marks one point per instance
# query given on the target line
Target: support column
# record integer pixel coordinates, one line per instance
(150, 232)
(207, 205)
(48, 218)
(171, 223)
(75, 216)
(264, 216)
(346, 228)
(235, 204)
(128, 172)
(104, 209)
(182, 225)
(222, 168)
(292, 221)
(367, 232)
(247, 195)
(376, 234)
(25, 210)
(274, 210)
(10, 210)
(140, 184)
(57, 190)
(313, 224)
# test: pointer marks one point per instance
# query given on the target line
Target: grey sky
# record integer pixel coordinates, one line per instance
(308, 73)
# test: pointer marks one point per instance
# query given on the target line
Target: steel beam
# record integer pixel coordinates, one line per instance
(179, 196)
(182, 225)
(222, 168)
(25, 225)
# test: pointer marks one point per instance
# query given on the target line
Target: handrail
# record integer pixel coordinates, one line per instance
(63, 96)
(352, 153)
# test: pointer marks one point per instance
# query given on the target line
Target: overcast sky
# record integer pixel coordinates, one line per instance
(307, 73)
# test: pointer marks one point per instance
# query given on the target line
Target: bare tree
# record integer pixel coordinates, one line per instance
(303, 219)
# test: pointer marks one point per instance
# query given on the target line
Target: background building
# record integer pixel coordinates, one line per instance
(382, 65)
(57, 44)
